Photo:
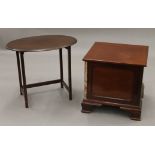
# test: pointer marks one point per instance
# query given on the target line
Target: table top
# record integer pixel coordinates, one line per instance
(118, 53)
(41, 43)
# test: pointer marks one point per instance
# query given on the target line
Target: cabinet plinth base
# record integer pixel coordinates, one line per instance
(88, 105)
(135, 115)
(86, 108)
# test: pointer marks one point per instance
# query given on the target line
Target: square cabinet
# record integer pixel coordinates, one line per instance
(113, 77)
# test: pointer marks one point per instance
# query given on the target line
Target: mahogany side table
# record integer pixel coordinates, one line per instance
(113, 77)
(40, 44)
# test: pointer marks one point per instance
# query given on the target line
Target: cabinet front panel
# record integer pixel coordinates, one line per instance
(111, 81)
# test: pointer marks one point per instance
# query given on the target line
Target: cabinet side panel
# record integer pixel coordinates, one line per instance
(85, 80)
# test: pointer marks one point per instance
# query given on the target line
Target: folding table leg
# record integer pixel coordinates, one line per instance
(61, 67)
(19, 72)
(24, 79)
(69, 73)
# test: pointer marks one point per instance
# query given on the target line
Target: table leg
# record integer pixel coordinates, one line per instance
(19, 72)
(69, 73)
(24, 79)
(61, 66)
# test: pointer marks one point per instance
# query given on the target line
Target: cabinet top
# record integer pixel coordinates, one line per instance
(118, 53)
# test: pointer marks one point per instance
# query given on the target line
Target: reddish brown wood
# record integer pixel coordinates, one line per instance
(111, 78)
(118, 53)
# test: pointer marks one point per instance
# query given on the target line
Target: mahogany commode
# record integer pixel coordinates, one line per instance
(113, 77)
(40, 44)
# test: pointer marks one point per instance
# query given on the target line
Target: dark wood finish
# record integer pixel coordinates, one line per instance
(65, 85)
(61, 66)
(19, 72)
(112, 83)
(38, 44)
(43, 83)
(41, 43)
(24, 79)
(118, 53)
(87, 108)
(69, 73)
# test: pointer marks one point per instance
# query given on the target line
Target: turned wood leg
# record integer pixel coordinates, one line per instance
(135, 115)
(87, 108)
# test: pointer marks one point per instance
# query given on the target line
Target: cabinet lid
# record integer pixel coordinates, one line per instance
(118, 53)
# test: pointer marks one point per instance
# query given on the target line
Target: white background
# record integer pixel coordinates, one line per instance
(77, 140)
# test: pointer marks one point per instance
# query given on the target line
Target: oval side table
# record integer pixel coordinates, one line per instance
(40, 44)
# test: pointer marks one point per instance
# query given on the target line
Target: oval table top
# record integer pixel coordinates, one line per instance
(41, 43)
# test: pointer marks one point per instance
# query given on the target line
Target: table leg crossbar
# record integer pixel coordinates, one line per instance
(22, 76)
(42, 83)
(65, 85)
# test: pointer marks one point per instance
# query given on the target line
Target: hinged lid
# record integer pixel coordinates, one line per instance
(118, 53)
